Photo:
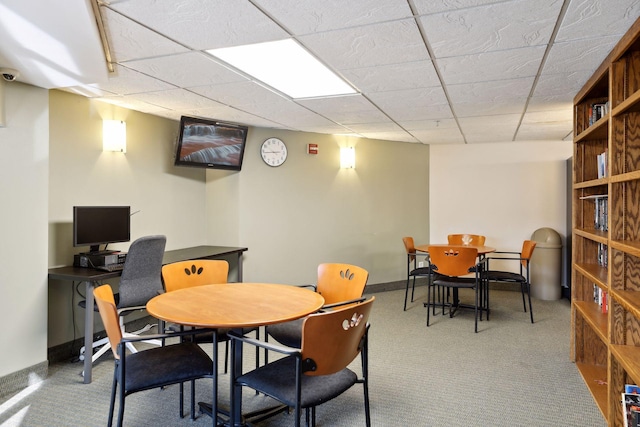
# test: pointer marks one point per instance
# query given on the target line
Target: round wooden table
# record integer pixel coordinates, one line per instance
(482, 250)
(234, 305)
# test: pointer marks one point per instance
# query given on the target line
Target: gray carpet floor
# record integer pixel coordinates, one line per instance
(511, 373)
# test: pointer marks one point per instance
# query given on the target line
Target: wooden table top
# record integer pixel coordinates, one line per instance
(235, 305)
(481, 249)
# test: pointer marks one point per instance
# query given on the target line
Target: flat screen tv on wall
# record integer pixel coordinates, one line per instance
(208, 143)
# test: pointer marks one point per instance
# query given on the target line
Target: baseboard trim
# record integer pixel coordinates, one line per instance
(19, 380)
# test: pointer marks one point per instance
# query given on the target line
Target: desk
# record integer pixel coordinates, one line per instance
(91, 277)
(235, 305)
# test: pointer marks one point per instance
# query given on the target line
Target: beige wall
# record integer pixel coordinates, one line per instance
(23, 227)
(310, 211)
(505, 191)
(168, 200)
(291, 218)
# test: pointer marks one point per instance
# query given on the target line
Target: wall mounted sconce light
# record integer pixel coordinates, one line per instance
(114, 136)
(347, 158)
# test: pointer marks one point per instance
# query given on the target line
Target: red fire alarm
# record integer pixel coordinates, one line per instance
(312, 148)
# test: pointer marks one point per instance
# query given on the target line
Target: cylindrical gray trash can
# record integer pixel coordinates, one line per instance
(546, 264)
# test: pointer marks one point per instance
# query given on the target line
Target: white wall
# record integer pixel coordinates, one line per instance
(23, 226)
(310, 211)
(505, 191)
(170, 200)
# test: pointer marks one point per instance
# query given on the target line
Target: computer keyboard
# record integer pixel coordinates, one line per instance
(111, 267)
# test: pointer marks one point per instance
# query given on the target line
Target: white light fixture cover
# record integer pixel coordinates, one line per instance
(285, 66)
(114, 135)
(347, 158)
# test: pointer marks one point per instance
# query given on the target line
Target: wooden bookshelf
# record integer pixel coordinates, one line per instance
(606, 343)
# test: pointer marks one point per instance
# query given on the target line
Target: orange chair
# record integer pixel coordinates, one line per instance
(146, 369)
(466, 239)
(509, 277)
(337, 283)
(454, 264)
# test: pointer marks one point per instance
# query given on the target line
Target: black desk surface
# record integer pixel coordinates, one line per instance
(196, 252)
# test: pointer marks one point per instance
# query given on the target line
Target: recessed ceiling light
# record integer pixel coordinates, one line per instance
(285, 66)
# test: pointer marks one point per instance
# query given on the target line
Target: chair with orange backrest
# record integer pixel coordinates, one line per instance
(466, 239)
(458, 268)
(198, 272)
(521, 278)
(413, 270)
(153, 368)
(337, 283)
(317, 370)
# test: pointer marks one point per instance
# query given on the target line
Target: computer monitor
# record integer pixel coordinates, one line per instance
(100, 225)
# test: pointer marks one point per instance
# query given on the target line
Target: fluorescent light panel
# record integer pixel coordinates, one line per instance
(285, 66)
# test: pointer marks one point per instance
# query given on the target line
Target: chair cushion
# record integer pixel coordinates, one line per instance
(455, 282)
(288, 333)
(505, 276)
(421, 271)
(277, 379)
(166, 365)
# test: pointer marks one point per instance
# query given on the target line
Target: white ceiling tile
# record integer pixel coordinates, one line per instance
(586, 19)
(420, 97)
(551, 103)
(132, 103)
(430, 6)
(500, 26)
(390, 136)
(544, 130)
(333, 130)
(125, 81)
(382, 78)
(419, 125)
(345, 109)
(204, 24)
(177, 99)
(377, 44)
(130, 40)
(240, 94)
(499, 65)
(490, 92)
(489, 128)
(375, 127)
(339, 104)
(579, 55)
(504, 106)
(288, 113)
(561, 83)
(186, 70)
(309, 16)
(232, 115)
(439, 136)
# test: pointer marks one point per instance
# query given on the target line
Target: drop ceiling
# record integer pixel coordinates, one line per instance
(425, 71)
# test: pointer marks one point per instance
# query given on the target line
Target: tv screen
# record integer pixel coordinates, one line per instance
(210, 144)
(100, 225)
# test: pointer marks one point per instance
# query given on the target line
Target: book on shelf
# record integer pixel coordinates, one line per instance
(631, 409)
(601, 298)
(601, 213)
(602, 163)
(603, 255)
(597, 111)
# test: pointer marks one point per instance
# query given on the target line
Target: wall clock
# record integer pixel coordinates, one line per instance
(273, 152)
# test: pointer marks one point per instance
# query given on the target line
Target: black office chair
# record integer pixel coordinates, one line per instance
(522, 278)
(317, 371)
(147, 369)
(140, 281)
(413, 270)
